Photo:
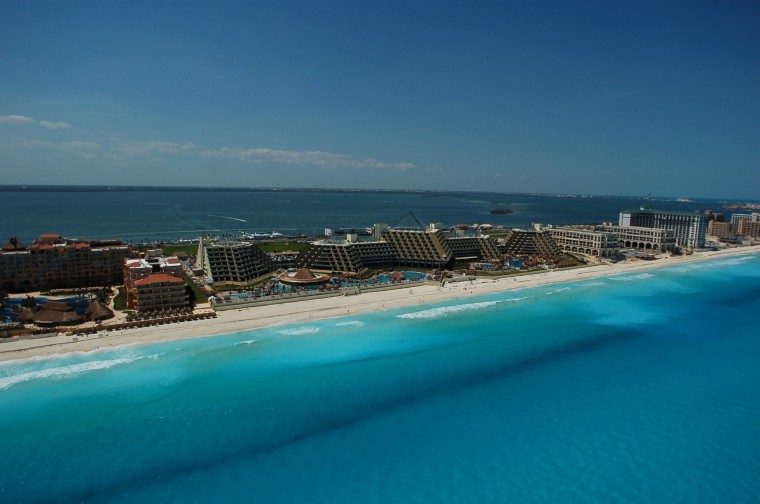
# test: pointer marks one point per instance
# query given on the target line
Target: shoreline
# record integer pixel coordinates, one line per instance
(242, 319)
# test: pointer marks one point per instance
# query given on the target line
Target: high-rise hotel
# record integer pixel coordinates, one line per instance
(690, 228)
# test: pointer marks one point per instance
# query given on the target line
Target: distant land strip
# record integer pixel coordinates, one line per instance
(115, 188)
(422, 192)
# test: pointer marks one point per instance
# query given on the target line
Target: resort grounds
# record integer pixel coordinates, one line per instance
(230, 321)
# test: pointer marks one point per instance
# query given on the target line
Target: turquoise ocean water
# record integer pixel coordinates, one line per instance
(636, 388)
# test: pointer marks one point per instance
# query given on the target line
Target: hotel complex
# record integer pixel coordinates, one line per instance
(535, 242)
(588, 240)
(155, 284)
(160, 292)
(54, 262)
(348, 254)
(608, 240)
(228, 261)
(410, 243)
(689, 228)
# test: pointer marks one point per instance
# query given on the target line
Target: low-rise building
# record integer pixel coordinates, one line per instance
(750, 227)
(139, 269)
(644, 238)
(722, 230)
(589, 240)
(159, 291)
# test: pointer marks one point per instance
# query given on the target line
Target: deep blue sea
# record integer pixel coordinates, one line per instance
(160, 215)
(640, 387)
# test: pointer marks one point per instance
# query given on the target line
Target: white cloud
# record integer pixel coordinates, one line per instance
(81, 145)
(19, 119)
(117, 150)
(81, 149)
(309, 158)
(16, 119)
(122, 151)
(54, 125)
(29, 142)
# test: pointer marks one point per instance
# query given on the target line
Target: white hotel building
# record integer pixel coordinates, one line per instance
(588, 240)
(689, 228)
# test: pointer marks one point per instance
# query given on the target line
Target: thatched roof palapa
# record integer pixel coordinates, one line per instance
(56, 313)
(26, 316)
(303, 276)
(50, 317)
(13, 245)
(55, 306)
(98, 311)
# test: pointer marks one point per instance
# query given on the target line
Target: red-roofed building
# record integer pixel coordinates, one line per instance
(137, 270)
(159, 291)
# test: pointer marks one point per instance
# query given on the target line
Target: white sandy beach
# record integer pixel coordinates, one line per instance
(260, 316)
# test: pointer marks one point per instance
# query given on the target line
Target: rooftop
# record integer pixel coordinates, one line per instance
(157, 279)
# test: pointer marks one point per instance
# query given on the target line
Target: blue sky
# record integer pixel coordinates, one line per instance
(623, 98)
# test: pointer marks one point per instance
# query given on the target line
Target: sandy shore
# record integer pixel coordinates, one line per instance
(303, 311)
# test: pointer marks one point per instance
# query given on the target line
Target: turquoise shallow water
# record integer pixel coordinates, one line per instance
(635, 388)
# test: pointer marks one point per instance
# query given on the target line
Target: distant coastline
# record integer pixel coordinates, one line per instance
(430, 193)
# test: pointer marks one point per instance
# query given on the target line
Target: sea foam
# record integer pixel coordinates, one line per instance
(350, 323)
(64, 371)
(298, 331)
(631, 278)
(443, 311)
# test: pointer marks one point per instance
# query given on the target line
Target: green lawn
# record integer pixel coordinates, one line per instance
(197, 296)
(120, 302)
(266, 246)
(282, 246)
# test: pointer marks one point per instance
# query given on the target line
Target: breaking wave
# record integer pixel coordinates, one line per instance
(298, 331)
(446, 310)
(350, 323)
(631, 278)
(593, 284)
(64, 371)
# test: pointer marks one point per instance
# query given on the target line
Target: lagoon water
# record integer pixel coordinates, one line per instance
(637, 388)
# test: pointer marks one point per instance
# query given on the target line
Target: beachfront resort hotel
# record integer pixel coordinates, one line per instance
(410, 243)
(231, 261)
(55, 262)
(690, 228)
